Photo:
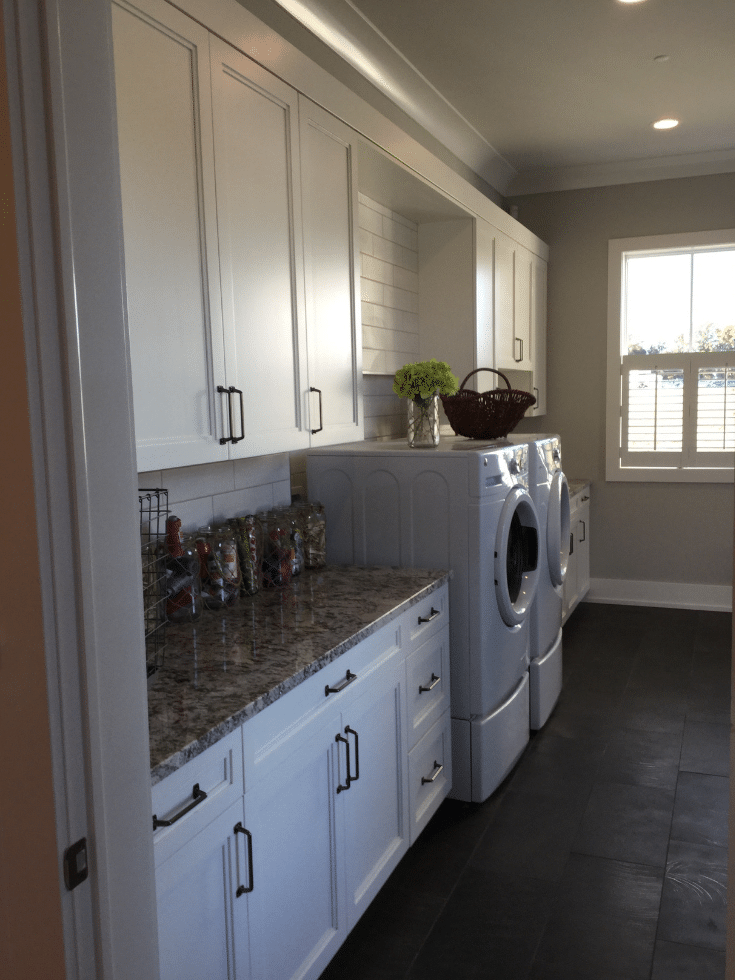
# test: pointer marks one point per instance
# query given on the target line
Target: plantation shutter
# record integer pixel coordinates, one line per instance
(714, 387)
(678, 410)
(653, 423)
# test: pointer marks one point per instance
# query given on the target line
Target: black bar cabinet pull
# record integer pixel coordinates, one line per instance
(423, 688)
(348, 679)
(584, 530)
(242, 889)
(198, 796)
(519, 340)
(430, 779)
(321, 417)
(428, 619)
(353, 779)
(236, 391)
(226, 391)
(341, 738)
(571, 544)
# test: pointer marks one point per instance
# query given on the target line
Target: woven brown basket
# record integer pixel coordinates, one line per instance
(486, 415)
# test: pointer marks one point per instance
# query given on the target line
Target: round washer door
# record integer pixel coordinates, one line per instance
(516, 556)
(558, 528)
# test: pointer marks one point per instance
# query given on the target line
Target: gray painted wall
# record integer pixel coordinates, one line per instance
(641, 531)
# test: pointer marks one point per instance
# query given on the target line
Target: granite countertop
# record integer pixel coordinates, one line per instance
(576, 486)
(230, 665)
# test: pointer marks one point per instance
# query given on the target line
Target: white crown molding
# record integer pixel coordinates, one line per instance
(355, 39)
(676, 595)
(624, 172)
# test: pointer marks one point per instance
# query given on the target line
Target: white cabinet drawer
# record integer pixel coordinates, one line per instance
(270, 736)
(429, 774)
(217, 773)
(429, 615)
(427, 685)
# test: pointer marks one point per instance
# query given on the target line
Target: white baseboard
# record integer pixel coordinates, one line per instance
(678, 595)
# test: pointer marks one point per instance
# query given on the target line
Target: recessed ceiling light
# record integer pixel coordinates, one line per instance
(661, 57)
(666, 124)
(631, 1)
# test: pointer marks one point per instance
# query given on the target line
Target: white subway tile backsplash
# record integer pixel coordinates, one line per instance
(189, 482)
(394, 361)
(405, 279)
(389, 287)
(401, 299)
(366, 242)
(258, 470)
(373, 316)
(388, 251)
(370, 220)
(194, 513)
(372, 292)
(282, 493)
(376, 269)
(241, 502)
(151, 480)
(409, 259)
(399, 233)
(374, 362)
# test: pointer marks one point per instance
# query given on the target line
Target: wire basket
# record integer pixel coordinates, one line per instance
(486, 415)
(153, 505)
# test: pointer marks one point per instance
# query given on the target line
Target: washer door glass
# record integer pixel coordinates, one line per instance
(516, 557)
(557, 528)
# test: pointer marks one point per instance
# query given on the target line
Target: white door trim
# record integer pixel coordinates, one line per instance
(61, 88)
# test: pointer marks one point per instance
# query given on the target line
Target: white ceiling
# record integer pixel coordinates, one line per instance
(540, 94)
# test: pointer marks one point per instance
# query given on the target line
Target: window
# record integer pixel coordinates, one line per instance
(671, 358)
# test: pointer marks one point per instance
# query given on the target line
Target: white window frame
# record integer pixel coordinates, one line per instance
(701, 469)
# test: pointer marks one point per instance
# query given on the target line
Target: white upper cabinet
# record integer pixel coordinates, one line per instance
(256, 154)
(331, 252)
(520, 315)
(241, 268)
(538, 332)
(513, 349)
(167, 177)
(522, 350)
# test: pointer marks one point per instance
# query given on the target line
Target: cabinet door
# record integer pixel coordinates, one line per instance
(583, 547)
(376, 804)
(202, 924)
(331, 251)
(522, 340)
(504, 274)
(172, 277)
(484, 303)
(538, 332)
(256, 152)
(570, 591)
(296, 908)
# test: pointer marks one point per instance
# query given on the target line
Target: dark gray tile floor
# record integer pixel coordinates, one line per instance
(603, 855)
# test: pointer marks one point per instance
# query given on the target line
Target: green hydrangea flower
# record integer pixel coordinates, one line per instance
(423, 379)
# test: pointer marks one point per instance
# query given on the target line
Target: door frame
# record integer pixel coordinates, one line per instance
(69, 239)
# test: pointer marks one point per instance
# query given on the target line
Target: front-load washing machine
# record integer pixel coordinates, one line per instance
(464, 507)
(550, 493)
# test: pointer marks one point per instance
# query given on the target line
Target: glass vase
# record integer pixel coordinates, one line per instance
(423, 422)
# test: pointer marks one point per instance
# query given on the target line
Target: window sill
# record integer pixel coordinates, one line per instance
(665, 474)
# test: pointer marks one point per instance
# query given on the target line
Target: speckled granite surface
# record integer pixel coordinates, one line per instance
(575, 486)
(231, 665)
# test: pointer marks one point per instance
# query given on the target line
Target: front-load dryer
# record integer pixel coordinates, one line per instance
(463, 506)
(550, 493)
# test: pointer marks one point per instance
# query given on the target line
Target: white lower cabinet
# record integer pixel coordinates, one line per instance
(376, 805)
(202, 924)
(265, 876)
(577, 579)
(296, 911)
